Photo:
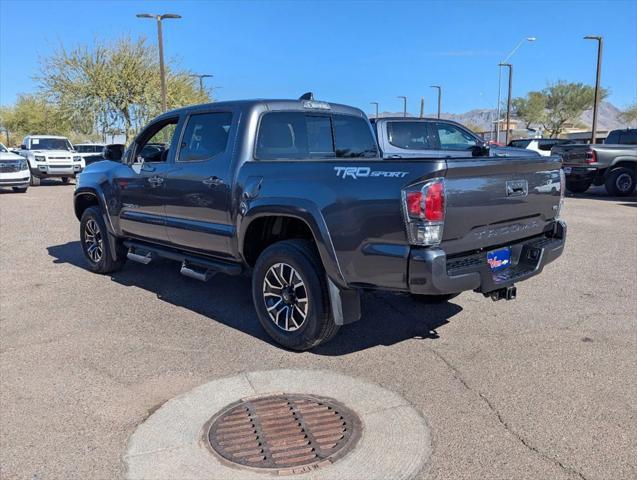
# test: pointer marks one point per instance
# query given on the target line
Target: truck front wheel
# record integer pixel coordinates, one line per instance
(289, 290)
(95, 244)
(620, 182)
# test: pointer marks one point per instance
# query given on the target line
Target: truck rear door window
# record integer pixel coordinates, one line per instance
(409, 135)
(205, 136)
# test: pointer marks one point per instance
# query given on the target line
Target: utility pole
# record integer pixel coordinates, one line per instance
(600, 47)
(422, 107)
(439, 96)
(404, 105)
(200, 77)
(515, 49)
(160, 42)
(375, 103)
(508, 99)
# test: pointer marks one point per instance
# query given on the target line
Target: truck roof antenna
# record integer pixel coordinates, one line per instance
(307, 96)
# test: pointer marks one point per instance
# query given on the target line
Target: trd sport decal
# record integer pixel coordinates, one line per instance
(364, 172)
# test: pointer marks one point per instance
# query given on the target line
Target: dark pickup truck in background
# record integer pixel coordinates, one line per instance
(612, 164)
(297, 193)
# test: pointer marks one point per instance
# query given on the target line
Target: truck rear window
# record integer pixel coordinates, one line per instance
(300, 135)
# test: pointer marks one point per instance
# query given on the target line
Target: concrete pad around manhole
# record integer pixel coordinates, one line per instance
(172, 443)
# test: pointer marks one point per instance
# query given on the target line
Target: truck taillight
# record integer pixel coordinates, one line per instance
(424, 210)
(591, 156)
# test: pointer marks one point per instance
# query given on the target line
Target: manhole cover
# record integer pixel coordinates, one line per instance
(298, 432)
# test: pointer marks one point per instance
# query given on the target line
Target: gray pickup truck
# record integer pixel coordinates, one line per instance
(404, 137)
(296, 193)
(612, 164)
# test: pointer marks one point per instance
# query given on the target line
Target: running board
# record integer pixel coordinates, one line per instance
(201, 275)
(136, 257)
(193, 263)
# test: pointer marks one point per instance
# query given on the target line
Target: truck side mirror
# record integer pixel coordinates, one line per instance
(113, 152)
(23, 147)
(480, 151)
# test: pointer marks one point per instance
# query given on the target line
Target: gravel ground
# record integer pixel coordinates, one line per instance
(542, 387)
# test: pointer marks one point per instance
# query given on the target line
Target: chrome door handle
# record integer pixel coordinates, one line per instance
(212, 181)
(155, 180)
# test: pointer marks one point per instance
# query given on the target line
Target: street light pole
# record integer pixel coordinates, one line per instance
(515, 49)
(600, 47)
(375, 103)
(508, 98)
(439, 96)
(200, 77)
(404, 105)
(160, 42)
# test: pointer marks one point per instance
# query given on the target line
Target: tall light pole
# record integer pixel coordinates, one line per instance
(439, 96)
(508, 98)
(404, 104)
(506, 59)
(600, 47)
(160, 42)
(200, 77)
(375, 103)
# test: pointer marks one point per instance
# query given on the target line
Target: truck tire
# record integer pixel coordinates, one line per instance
(434, 298)
(65, 179)
(35, 181)
(621, 182)
(579, 186)
(20, 189)
(95, 244)
(290, 295)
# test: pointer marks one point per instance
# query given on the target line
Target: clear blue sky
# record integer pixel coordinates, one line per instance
(352, 52)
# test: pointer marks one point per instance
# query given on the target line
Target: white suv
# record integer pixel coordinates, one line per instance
(51, 156)
(540, 145)
(14, 171)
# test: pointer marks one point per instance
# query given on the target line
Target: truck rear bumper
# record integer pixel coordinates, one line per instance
(432, 273)
(577, 174)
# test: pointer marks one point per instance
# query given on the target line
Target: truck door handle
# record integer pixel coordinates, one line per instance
(213, 181)
(155, 181)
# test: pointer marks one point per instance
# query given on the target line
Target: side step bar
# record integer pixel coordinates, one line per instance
(192, 265)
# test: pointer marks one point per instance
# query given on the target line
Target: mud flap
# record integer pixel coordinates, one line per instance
(345, 303)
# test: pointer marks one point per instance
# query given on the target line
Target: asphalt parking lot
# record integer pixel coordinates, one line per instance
(544, 387)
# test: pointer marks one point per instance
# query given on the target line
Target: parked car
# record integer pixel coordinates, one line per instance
(540, 145)
(400, 137)
(611, 164)
(51, 156)
(296, 192)
(90, 152)
(14, 171)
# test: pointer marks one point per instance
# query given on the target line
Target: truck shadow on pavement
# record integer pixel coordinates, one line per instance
(388, 318)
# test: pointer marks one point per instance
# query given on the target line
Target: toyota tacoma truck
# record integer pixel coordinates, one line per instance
(612, 164)
(51, 156)
(296, 193)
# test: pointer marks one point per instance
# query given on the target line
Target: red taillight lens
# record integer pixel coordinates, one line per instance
(435, 202)
(413, 203)
(591, 156)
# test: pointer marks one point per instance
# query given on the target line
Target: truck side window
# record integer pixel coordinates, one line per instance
(154, 143)
(454, 138)
(353, 138)
(205, 136)
(409, 135)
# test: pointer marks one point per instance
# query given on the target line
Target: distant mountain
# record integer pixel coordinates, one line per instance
(607, 117)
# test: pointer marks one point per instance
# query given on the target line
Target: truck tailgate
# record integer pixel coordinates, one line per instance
(496, 201)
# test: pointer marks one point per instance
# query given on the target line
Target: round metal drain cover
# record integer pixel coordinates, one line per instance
(284, 432)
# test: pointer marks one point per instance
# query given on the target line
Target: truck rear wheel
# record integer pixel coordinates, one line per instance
(579, 186)
(289, 290)
(620, 182)
(95, 244)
